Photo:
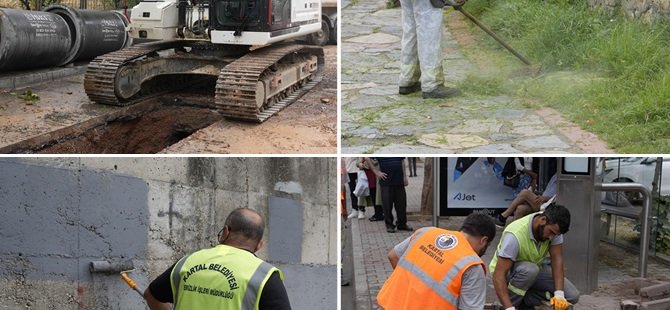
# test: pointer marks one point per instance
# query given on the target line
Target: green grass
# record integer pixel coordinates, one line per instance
(604, 71)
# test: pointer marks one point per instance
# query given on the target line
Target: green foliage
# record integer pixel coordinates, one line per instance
(482, 85)
(661, 210)
(627, 100)
(28, 95)
(391, 4)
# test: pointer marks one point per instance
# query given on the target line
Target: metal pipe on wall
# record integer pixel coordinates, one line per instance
(646, 211)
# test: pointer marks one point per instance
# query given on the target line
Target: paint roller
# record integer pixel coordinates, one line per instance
(123, 268)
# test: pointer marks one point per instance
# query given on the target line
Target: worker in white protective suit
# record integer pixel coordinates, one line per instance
(421, 55)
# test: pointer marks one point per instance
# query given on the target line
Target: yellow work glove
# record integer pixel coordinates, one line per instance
(559, 301)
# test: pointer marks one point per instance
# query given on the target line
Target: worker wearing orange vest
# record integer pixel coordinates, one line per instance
(440, 269)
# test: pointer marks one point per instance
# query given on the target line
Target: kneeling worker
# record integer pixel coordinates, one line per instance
(440, 269)
(227, 276)
(521, 276)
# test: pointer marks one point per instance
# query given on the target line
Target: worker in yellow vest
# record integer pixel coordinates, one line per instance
(440, 269)
(523, 277)
(227, 276)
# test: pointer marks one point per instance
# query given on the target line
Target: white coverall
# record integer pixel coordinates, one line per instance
(421, 55)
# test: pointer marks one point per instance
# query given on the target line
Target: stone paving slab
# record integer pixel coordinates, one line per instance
(378, 120)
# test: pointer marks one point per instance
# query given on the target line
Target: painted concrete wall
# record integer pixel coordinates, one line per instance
(59, 214)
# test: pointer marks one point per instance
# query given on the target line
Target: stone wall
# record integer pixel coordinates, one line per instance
(643, 9)
(59, 214)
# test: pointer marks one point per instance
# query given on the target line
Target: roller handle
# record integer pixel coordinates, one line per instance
(131, 283)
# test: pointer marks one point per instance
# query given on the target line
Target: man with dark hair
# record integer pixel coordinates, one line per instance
(227, 276)
(437, 268)
(522, 276)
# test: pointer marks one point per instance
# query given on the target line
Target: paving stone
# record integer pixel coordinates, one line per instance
(375, 38)
(452, 141)
(629, 305)
(544, 142)
(493, 149)
(656, 291)
(639, 283)
(367, 102)
(661, 304)
(354, 85)
(477, 126)
(411, 149)
(367, 132)
(380, 90)
(354, 149)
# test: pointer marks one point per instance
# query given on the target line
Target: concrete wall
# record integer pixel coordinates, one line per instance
(59, 214)
(642, 9)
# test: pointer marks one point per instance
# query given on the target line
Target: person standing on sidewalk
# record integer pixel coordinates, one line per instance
(421, 50)
(352, 171)
(522, 277)
(440, 269)
(366, 165)
(393, 181)
(412, 166)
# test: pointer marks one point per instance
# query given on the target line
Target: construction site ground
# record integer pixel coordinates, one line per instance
(366, 267)
(64, 120)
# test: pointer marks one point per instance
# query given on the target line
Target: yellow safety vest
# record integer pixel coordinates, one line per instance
(222, 277)
(528, 252)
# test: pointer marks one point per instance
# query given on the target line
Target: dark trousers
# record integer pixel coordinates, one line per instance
(352, 186)
(378, 204)
(394, 196)
(412, 166)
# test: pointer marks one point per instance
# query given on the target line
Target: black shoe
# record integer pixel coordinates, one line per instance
(441, 92)
(390, 229)
(406, 90)
(500, 221)
(376, 218)
(405, 228)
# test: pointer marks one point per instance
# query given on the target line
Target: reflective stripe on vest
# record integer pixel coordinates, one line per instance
(441, 287)
(176, 278)
(422, 279)
(251, 294)
(245, 274)
(528, 251)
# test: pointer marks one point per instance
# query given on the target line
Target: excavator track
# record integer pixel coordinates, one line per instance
(102, 72)
(242, 85)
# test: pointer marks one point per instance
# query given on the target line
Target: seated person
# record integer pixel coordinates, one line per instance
(527, 202)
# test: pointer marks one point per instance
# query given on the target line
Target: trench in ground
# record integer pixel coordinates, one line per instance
(177, 116)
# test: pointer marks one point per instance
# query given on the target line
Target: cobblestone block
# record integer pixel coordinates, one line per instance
(656, 291)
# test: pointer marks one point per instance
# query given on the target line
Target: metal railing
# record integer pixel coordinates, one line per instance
(646, 212)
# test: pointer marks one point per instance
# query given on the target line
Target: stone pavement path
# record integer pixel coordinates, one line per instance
(375, 119)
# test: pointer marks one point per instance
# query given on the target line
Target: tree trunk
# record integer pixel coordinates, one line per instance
(427, 192)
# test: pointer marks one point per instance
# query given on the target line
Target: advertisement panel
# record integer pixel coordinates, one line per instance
(473, 183)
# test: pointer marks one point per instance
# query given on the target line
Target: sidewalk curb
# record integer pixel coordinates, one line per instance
(21, 79)
(360, 277)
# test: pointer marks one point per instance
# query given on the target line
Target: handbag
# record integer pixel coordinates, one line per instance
(362, 189)
(512, 181)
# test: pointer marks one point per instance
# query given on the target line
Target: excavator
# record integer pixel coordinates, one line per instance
(239, 43)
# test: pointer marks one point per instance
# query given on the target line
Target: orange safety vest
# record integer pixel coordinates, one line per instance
(429, 274)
